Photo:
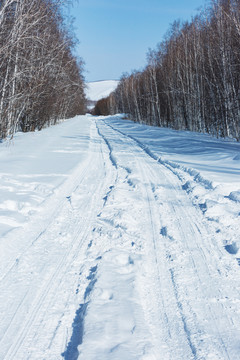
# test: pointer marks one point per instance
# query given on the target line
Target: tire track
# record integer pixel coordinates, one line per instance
(197, 250)
(72, 221)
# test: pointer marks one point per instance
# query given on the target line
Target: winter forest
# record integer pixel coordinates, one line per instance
(119, 198)
(40, 79)
(192, 79)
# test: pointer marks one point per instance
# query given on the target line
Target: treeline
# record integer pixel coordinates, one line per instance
(192, 79)
(40, 78)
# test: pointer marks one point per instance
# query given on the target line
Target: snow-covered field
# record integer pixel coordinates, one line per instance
(119, 241)
(97, 90)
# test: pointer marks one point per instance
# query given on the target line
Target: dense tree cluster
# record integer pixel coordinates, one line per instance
(40, 78)
(192, 79)
(102, 107)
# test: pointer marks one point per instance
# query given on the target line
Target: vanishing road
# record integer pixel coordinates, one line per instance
(118, 263)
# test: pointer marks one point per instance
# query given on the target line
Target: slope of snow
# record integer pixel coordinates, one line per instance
(119, 241)
(97, 90)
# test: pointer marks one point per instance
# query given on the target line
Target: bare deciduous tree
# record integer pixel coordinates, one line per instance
(40, 79)
(192, 80)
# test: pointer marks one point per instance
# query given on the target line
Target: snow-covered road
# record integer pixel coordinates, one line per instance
(111, 250)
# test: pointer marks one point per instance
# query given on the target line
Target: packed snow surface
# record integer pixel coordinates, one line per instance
(119, 241)
(97, 90)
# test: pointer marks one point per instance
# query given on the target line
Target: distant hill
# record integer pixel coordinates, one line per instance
(97, 90)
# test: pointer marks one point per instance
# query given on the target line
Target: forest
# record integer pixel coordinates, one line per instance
(41, 80)
(192, 78)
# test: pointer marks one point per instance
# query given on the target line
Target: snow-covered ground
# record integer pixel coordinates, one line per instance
(97, 90)
(119, 241)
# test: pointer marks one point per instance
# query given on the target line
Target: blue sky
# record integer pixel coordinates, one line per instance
(115, 35)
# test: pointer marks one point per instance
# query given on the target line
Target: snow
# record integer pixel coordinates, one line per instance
(97, 90)
(119, 240)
